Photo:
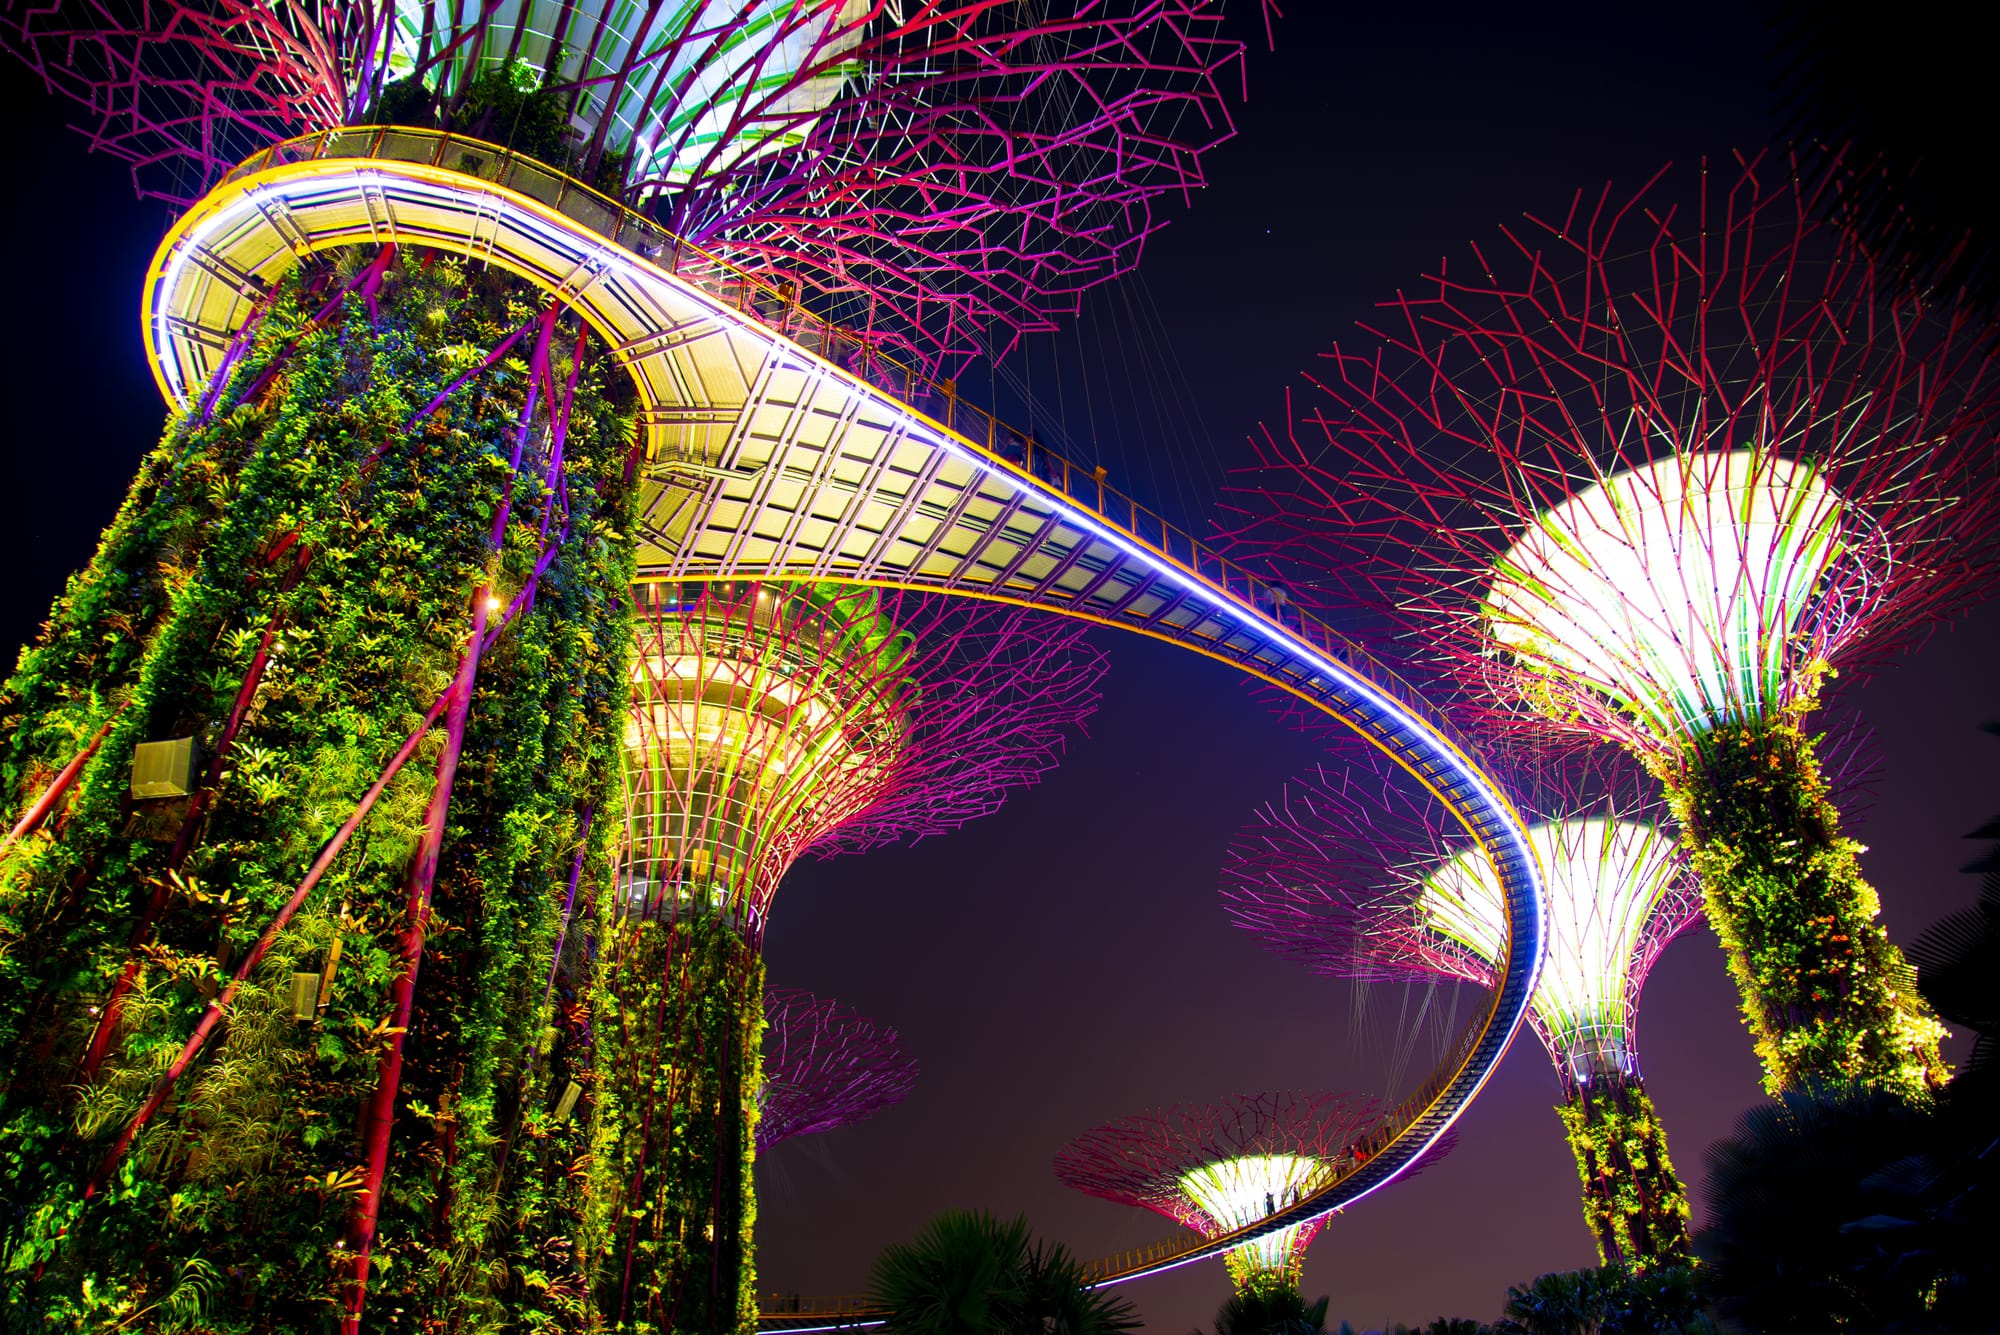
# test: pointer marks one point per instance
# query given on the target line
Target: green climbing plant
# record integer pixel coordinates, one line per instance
(1825, 993)
(311, 509)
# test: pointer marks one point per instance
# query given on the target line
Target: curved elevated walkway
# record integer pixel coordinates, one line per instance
(778, 446)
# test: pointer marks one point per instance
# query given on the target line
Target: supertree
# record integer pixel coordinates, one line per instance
(396, 525)
(1217, 1167)
(944, 175)
(824, 1067)
(770, 721)
(1353, 873)
(1652, 472)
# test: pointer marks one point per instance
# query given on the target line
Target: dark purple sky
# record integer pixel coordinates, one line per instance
(1065, 961)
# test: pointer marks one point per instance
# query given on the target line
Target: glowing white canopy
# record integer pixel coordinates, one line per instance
(1675, 589)
(1606, 878)
(1235, 1192)
(708, 83)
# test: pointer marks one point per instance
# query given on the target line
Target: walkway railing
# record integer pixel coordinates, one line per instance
(779, 309)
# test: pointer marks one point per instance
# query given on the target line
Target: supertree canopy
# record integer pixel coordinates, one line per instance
(942, 174)
(1218, 1167)
(1354, 874)
(769, 721)
(772, 720)
(1653, 472)
(824, 1067)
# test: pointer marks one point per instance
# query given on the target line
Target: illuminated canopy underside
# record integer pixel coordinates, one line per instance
(1230, 1193)
(1676, 589)
(1607, 879)
(730, 70)
(762, 718)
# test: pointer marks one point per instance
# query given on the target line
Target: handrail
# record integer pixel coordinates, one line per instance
(779, 310)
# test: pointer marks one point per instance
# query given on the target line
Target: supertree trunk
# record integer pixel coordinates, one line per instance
(315, 563)
(1824, 992)
(1254, 1278)
(676, 1119)
(1633, 1202)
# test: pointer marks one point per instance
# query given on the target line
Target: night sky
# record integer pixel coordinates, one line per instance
(1065, 961)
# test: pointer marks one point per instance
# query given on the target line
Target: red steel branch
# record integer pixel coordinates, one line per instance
(218, 1009)
(364, 283)
(378, 1120)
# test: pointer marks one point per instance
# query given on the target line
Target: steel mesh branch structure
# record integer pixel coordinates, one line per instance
(1652, 472)
(1352, 875)
(1216, 1167)
(769, 721)
(945, 174)
(825, 1067)
(772, 720)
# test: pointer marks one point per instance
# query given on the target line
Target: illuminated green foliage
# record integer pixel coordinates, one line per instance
(1633, 1201)
(1825, 994)
(229, 1212)
(679, 1018)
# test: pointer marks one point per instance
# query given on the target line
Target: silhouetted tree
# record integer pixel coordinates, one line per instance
(1270, 1312)
(968, 1273)
(1609, 1301)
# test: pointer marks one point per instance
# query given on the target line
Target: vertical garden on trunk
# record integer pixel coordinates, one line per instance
(1825, 992)
(407, 448)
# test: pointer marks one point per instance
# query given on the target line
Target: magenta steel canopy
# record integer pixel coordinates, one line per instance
(1219, 1167)
(1656, 464)
(945, 175)
(1355, 872)
(769, 721)
(825, 1067)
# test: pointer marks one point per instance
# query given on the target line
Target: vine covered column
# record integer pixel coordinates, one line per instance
(1823, 988)
(282, 602)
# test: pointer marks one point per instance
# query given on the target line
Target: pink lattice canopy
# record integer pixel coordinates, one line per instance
(943, 174)
(1357, 872)
(1217, 1167)
(772, 720)
(1646, 468)
(825, 1067)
